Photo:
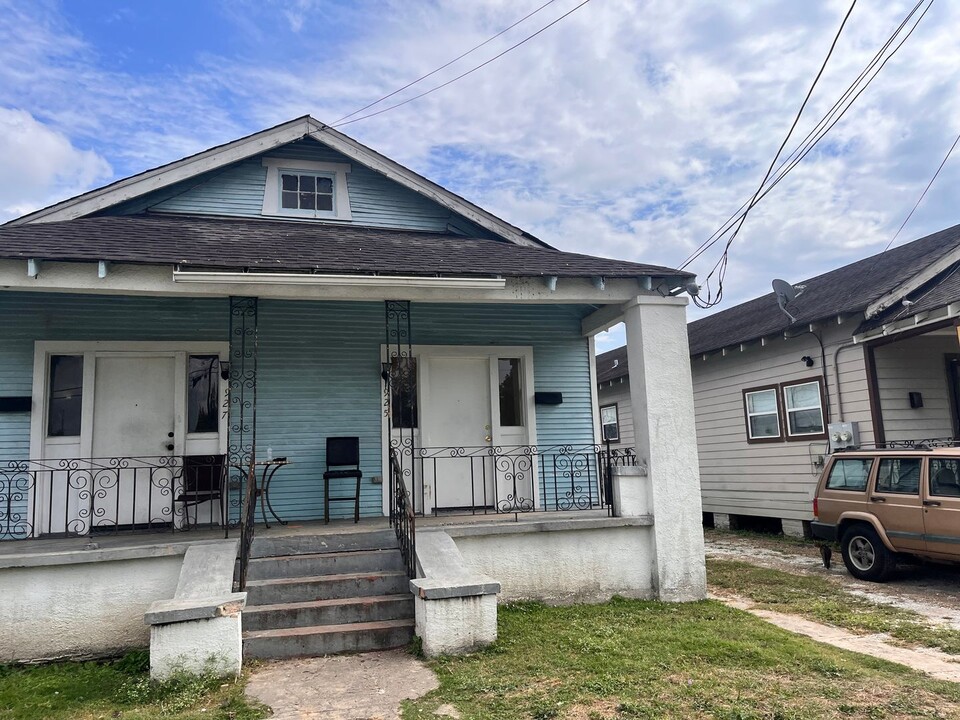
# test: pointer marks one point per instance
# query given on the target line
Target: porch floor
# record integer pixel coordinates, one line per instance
(13, 553)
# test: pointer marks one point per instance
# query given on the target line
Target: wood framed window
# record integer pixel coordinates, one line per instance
(803, 409)
(306, 189)
(761, 408)
(610, 423)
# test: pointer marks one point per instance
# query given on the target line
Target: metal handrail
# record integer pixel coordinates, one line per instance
(402, 517)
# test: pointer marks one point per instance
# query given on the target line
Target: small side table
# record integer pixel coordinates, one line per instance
(269, 469)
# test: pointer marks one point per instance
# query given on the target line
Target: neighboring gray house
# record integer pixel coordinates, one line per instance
(613, 395)
(875, 343)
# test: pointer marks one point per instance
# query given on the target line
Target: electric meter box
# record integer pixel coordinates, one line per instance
(843, 436)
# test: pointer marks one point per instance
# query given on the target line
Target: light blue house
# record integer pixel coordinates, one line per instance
(253, 300)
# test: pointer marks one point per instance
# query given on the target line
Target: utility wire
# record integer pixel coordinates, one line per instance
(448, 64)
(721, 265)
(922, 195)
(463, 75)
(825, 124)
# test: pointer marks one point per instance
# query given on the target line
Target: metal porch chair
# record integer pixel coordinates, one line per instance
(343, 453)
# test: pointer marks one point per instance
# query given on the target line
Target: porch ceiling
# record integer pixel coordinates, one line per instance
(267, 245)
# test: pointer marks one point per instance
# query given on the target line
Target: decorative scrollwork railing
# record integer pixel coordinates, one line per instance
(504, 479)
(92, 496)
(402, 518)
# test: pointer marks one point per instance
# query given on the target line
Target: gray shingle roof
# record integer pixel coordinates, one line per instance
(612, 364)
(265, 245)
(848, 289)
(938, 292)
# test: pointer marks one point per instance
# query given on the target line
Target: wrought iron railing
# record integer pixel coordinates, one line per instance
(511, 479)
(402, 517)
(93, 496)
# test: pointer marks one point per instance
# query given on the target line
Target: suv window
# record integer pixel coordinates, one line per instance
(850, 474)
(944, 476)
(899, 475)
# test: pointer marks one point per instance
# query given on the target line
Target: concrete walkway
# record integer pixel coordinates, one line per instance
(370, 686)
(934, 663)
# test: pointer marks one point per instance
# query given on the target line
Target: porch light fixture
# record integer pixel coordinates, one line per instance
(408, 281)
(385, 372)
(224, 369)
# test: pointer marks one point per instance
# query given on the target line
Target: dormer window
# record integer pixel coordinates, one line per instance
(306, 189)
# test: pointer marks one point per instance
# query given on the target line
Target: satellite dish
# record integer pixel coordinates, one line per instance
(785, 293)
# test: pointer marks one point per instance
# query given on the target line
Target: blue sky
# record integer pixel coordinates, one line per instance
(631, 129)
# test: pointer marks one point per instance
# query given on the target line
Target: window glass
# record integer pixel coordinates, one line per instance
(511, 393)
(763, 420)
(899, 475)
(944, 477)
(66, 395)
(299, 191)
(203, 390)
(610, 422)
(403, 392)
(850, 474)
(804, 414)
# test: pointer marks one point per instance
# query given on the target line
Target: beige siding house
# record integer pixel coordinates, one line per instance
(873, 343)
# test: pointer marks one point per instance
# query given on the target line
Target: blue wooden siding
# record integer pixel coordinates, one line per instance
(237, 190)
(319, 369)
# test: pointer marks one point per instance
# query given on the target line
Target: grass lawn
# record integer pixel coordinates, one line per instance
(636, 659)
(821, 600)
(119, 689)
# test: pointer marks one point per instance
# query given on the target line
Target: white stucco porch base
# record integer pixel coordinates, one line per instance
(82, 604)
(563, 560)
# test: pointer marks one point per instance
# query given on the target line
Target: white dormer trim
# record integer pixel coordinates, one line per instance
(271, 190)
(265, 141)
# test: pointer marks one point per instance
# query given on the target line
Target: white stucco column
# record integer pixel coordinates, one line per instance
(661, 394)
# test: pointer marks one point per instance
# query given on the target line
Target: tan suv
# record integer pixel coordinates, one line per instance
(882, 504)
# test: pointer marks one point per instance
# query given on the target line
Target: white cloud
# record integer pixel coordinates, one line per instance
(39, 165)
(631, 129)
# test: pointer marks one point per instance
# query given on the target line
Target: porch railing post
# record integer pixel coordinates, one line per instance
(242, 421)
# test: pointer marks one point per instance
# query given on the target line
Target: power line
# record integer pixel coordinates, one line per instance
(923, 194)
(463, 75)
(448, 64)
(721, 265)
(825, 124)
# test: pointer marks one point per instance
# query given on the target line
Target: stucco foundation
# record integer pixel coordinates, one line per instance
(81, 604)
(563, 561)
(211, 646)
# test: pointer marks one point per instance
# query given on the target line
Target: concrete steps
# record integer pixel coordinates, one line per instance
(327, 639)
(322, 594)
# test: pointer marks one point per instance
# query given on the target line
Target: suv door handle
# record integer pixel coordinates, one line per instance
(932, 503)
(874, 498)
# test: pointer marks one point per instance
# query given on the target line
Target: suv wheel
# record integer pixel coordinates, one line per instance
(865, 555)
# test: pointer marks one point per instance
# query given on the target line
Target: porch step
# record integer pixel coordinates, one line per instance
(327, 639)
(328, 612)
(324, 543)
(331, 563)
(326, 587)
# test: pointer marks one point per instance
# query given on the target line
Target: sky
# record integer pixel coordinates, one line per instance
(630, 129)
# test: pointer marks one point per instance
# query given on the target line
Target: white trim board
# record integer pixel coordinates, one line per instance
(262, 142)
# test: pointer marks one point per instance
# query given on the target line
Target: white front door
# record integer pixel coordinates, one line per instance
(457, 416)
(133, 417)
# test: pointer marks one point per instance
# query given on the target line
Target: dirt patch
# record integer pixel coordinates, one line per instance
(601, 709)
(930, 590)
(341, 687)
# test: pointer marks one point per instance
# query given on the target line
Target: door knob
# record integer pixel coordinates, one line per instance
(170, 434)
(487, 438)
(170, 447)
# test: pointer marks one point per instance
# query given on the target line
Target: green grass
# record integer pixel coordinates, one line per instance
(636, 659)
(117, 689)
(820, 599)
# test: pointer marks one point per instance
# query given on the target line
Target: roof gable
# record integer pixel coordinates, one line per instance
(848, 289)
(163, 182)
